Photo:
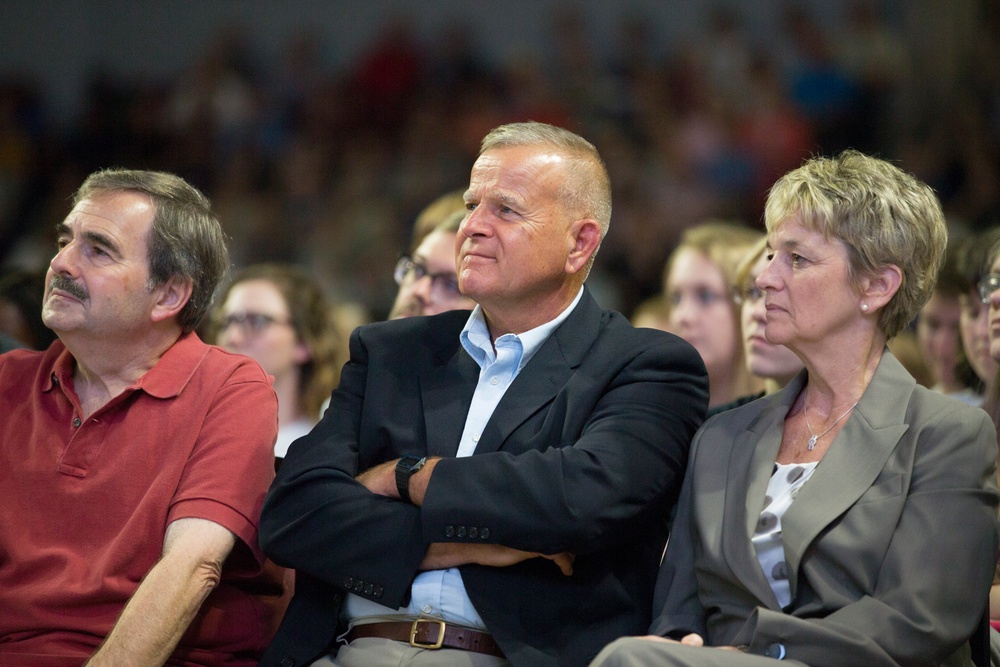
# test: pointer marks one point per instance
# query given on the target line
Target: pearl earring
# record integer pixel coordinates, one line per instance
(864, 307)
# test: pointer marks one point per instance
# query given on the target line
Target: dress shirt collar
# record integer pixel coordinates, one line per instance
(475, 336)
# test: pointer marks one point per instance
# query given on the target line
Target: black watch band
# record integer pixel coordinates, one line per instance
(405, 468)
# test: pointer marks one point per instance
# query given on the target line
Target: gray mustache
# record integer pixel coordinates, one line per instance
(64, 284)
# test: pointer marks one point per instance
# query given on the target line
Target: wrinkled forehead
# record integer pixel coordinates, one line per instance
(793, 229)
(126, 217)
(517, 168)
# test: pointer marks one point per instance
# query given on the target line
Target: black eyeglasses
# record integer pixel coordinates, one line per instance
(250, 323)
(987, 285)
(444, 286)
(747, 293)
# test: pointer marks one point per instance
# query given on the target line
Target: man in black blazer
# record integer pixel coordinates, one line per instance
(493, 487)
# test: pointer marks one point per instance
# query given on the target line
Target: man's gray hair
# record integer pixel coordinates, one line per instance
(588, 190)
(185, 239)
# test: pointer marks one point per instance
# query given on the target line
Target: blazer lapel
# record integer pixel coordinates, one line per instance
(445, 409)
(853, 462)
(545, 373)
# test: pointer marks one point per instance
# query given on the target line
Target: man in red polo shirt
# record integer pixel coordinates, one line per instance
(134, 458)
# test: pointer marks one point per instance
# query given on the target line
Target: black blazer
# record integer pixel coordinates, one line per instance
(585, 453)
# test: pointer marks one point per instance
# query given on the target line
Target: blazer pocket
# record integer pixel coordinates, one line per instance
(883, 489)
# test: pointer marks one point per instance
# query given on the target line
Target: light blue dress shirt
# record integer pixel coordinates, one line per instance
(441, 593)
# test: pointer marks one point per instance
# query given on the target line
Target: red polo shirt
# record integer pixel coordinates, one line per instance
(84, 503)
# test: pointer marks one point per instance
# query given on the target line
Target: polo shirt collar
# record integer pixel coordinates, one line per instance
(164, 380)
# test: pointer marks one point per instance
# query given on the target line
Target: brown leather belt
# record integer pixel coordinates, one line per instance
(430, 633)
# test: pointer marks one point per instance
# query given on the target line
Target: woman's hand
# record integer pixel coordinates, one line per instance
(692, 639)
(687, 640)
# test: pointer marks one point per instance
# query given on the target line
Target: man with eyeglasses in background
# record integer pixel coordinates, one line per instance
(427, 279)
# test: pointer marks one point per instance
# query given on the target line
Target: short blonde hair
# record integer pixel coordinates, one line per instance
(883, 216)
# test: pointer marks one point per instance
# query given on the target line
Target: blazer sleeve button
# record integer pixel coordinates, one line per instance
(473, 532)
(775, 650)
(449, 531)
(461, 531)
(359, 586)
(484, 534)
(348, 582)
(378, 591)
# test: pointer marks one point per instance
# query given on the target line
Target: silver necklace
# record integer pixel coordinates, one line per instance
(814, 437)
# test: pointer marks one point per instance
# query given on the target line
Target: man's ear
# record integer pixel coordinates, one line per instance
(880, 287)
(171, 297)
(585, 238)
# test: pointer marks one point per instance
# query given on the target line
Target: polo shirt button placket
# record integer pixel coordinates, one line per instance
(76, 422)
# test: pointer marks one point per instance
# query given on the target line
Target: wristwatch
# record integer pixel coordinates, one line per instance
(405, 468)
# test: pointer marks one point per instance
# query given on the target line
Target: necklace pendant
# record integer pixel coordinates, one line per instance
(812, 442)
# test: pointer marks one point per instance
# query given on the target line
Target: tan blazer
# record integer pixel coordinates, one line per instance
(890, 546)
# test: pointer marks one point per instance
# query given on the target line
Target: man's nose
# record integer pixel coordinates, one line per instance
(476, 223)
(64, 261)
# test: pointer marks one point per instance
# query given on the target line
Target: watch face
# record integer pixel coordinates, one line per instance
(405, 467)
(408, 462)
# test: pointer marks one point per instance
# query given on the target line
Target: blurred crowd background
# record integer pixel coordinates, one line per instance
(321, 129)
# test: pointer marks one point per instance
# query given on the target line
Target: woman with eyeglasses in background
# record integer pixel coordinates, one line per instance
(774, 364)
(278, 316)
(973, 262)
(697, 286)
(989, 295)
(988, 292)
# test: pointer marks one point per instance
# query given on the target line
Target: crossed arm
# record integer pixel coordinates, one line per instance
(614, 444)
(170, 595)
(441, 555)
